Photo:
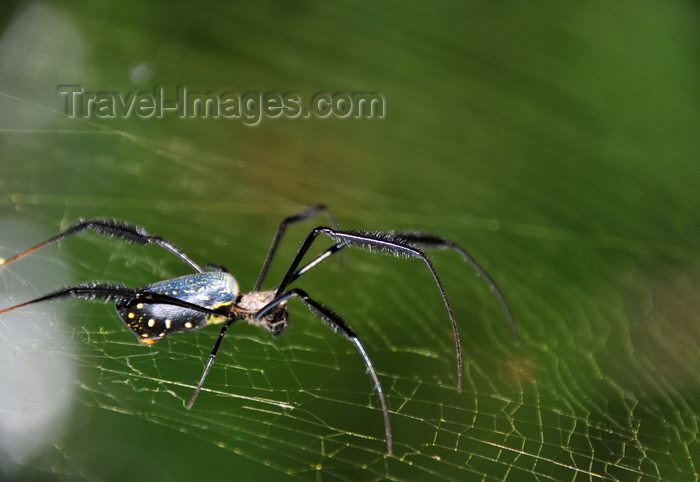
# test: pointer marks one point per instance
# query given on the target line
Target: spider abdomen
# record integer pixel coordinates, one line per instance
(151, 322)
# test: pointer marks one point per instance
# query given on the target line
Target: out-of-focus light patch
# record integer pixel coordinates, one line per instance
(36, 352)
(141, 74)
(664, 330)
(518, 370)
(40, 49)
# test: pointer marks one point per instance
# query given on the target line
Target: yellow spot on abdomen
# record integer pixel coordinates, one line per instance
(188, 324)
(139, 306)
(131, 316)
(214, 319)
(151, 323)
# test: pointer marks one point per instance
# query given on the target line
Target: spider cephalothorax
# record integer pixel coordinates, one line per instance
(275, 320)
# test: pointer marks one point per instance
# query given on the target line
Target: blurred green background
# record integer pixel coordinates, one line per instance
(558, 143)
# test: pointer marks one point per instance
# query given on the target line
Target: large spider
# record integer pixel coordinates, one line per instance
(211, 295)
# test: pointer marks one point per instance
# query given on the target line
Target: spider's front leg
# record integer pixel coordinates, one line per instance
(431, 241)
(402, 244)
(305, 214)
(386, 243)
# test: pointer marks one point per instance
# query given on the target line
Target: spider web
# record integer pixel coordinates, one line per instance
(603, 385)
(594, 391)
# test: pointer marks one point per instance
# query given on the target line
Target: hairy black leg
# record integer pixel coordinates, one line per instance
(334, 320)
(212, 355)
(111, 228)
(316, 261)
(425, 241)
(431, 241)
(114, 293)
(385, 243)
(305, 214)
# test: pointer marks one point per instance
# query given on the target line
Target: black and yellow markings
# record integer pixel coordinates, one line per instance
(151, 322)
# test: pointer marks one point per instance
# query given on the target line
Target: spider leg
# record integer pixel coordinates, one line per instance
(114, 293)
(334, 320)
(425, 241)
(212, 355)
(431, 241)
(305, 214)
(316, 261)
(386, 243)
(111, 228)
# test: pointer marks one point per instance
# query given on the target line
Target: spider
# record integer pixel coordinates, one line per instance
(211, 295)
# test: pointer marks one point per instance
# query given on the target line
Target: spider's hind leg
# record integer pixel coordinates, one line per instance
(111, 228)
